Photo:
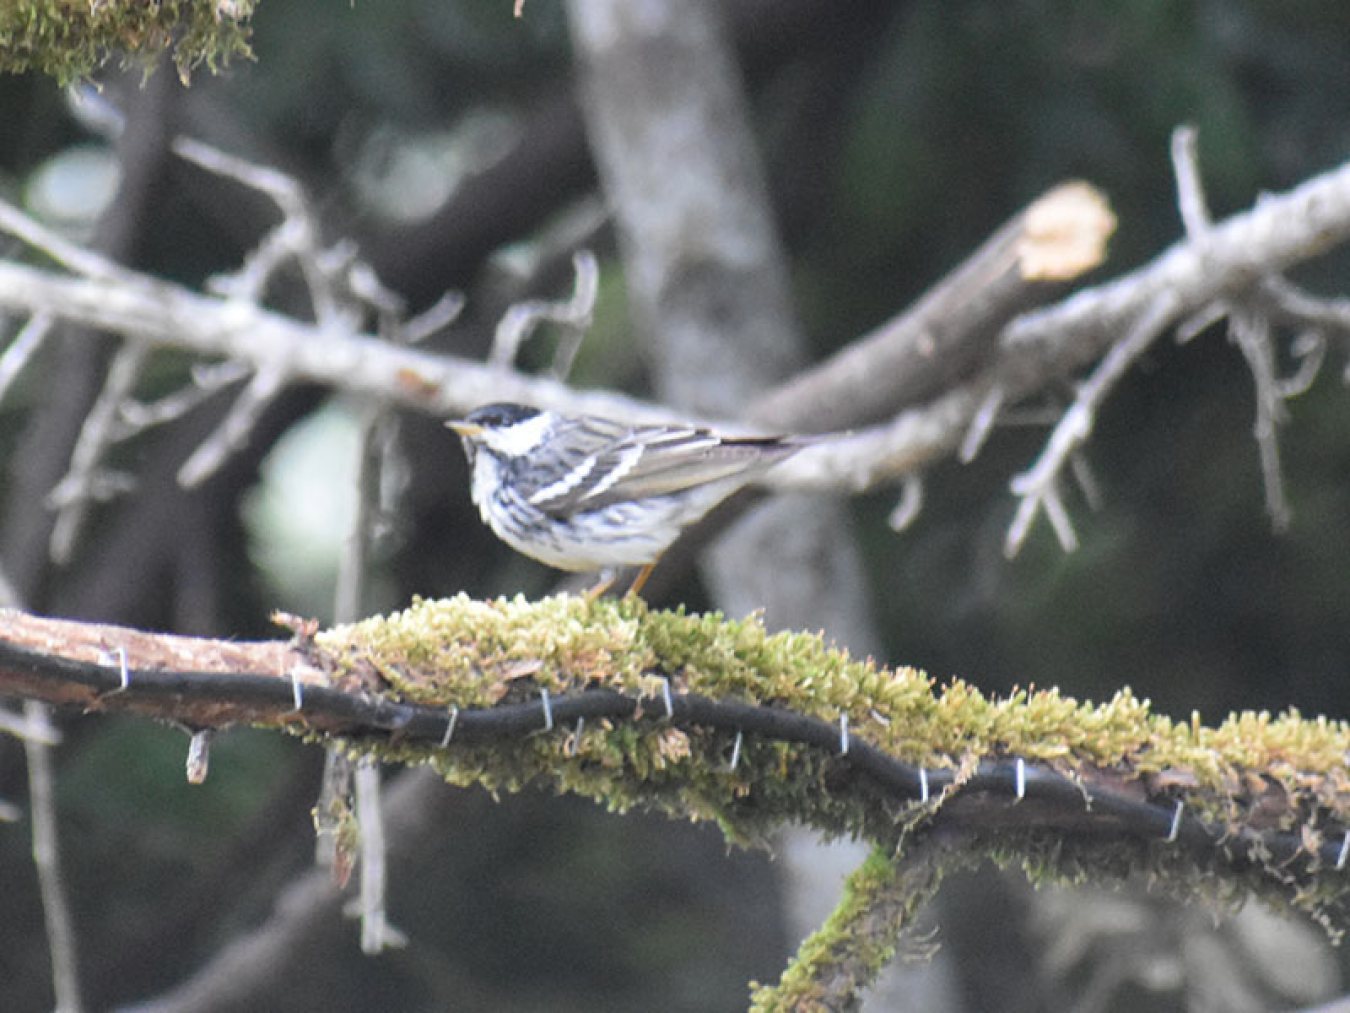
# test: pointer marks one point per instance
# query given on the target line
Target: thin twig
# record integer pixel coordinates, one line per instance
(1299, 306)
(22, 348)
(78, 259)
(981, 424)
(435, 318)
(573, 315)
(206, 380)
(1249, 328)
(1252, 333)
(911, 503)
(249, 283)
(1038, 487)
(86, 481)
(376, 932)
(47, 861)
(234, 430)
(333, 846)
(1190, 189)
(1310, 350)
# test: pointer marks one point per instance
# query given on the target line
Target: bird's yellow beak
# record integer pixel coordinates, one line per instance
(464, 428)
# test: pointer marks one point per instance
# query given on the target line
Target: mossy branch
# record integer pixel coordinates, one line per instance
(69, 40)
(881, 900)
(707, 718)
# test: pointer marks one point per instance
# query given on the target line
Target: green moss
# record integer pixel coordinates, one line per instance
(70, 39)
(470, 653)
(1278, 771)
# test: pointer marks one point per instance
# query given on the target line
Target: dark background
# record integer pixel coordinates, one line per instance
(896, 136)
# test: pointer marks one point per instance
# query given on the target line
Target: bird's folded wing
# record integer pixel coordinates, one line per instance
(608, 463)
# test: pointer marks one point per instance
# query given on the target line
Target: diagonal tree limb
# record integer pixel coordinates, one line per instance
(949, 332)
(881, 901)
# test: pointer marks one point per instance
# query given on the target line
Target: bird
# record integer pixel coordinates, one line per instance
(584, 492)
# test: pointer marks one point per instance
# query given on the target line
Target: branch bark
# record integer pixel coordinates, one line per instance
(1257, 801)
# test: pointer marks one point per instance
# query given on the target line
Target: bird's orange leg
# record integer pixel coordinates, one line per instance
(635, 588)
(606, 581)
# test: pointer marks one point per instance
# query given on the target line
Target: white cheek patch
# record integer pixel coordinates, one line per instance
(519, 439)
(566, 484)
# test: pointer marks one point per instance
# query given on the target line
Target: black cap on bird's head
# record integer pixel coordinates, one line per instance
(504, 428)
(491, 416)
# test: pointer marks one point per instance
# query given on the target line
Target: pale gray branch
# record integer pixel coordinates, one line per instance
(47, 861)
(23, 348)
(1039, 488)
(233, 432)
(22, 726)
(86, 481)
(1036, 349)
(207, 379)
(573, 315)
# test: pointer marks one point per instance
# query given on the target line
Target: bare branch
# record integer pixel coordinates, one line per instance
(233, 431)
(334, 806)
(86, 481)
(1190, 190)
(434, 319)
(950, 331)
(1248, 327)
(1279, 231)
(1036, 349)
(22, 348)
(136, 417)
(22, 726)
(911, 502)
(1039, 487)
(167, 315)
(376, 932)
(573, 315)
(79, 259)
